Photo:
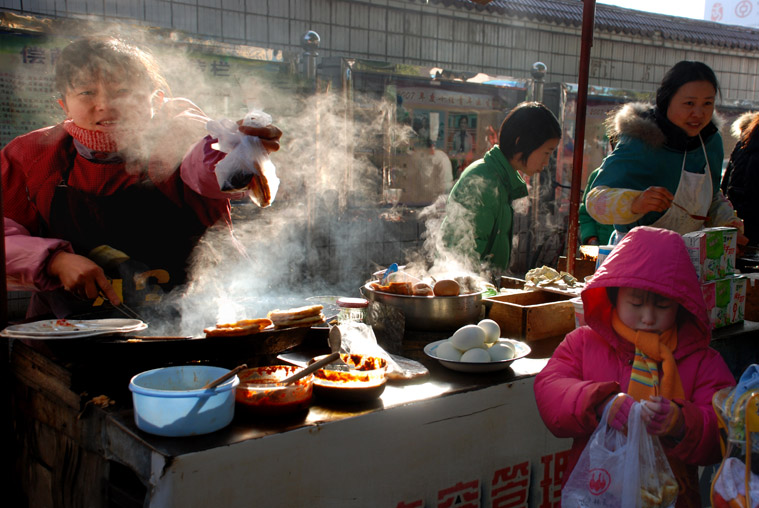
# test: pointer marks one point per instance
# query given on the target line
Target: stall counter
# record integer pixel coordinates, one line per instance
(450, 439)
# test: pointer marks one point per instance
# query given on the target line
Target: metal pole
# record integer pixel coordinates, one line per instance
(538, 72)
(588, 15)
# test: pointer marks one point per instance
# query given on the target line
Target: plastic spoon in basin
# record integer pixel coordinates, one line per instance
(216, 382)
(311, 368)
(390, 269)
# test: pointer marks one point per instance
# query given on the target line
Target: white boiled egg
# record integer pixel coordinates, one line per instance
(446, 351)
(501, 351)
(492, 330)
(468, 337)
(476, 355)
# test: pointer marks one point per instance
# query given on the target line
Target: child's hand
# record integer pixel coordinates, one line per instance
(663, 417)
(619, 411)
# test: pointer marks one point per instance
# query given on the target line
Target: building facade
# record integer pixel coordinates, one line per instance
(631, 49)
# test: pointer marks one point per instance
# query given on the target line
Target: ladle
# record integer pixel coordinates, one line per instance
(311, 368)
(216, 382)
(335, 340)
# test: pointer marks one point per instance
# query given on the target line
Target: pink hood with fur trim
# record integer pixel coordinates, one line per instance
(593, 362)
(655, 260)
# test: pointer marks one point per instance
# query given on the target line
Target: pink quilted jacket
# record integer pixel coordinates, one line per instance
(593, 362)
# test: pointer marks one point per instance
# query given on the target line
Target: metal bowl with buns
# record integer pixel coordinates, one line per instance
(432, 313)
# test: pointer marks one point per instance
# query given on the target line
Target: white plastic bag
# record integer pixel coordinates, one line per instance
(730, 485)
(621, 471)
(246, 157)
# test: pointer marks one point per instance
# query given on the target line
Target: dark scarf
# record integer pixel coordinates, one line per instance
(677, 139)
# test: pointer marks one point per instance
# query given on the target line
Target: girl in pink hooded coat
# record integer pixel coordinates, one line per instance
(594, 363)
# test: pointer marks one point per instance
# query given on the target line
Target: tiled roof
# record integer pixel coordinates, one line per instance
(616, 19)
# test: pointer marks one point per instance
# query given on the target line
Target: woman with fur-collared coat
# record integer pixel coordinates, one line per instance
(665, 170)
(741, 181)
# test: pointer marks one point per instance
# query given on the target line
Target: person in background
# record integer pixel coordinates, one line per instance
(462, 152)
(741, 180)
(646, 339)
(435, 170)
(122, 189)
(462, 138)
(479, 216)
(666, 167)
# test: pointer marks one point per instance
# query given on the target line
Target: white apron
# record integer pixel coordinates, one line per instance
(694, 192)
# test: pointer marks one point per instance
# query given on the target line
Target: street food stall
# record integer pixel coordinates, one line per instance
(444, 436)
(448, 432)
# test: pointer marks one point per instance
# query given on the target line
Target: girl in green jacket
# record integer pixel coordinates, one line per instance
(479, 216)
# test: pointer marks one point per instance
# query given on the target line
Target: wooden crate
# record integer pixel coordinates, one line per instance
(511, 283)
(583, 267)
(532, 315)
(752, 297)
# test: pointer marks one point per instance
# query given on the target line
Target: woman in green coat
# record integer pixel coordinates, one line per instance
(479, 217)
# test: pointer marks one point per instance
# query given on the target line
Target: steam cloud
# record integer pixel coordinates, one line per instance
(282, 254)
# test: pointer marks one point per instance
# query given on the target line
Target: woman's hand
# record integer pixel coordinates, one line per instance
(269, 135)
(653, 199)
(81, 276)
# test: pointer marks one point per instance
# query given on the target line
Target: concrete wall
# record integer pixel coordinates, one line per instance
(417, 33)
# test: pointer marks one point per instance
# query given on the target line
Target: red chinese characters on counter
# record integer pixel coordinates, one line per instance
(509, 488)
(554, 466)
(461, 495)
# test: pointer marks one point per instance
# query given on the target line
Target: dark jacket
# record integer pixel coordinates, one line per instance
(741, 181)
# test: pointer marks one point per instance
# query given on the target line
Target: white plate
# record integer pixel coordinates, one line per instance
(521, 348)
(72, 328)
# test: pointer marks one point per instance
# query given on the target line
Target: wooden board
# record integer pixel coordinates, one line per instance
(532, 315)
(583, 267)
(751, 312)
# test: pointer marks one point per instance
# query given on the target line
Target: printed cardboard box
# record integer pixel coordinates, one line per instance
(712, 252)
(725, 300)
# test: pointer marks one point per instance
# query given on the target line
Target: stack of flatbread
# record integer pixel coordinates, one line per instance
(238, 328)
(309, 315)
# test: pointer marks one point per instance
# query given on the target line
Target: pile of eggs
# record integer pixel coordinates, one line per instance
(476, 344)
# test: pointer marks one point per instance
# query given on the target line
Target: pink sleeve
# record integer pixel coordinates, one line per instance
(198, 171)
(700, 445)
(566, 400)
(26, 257)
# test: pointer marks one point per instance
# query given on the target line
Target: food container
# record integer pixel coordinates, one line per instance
(434, 313)
(364, 382)
(532, 315)
(603, 253)
(579, 312)
(170, 401)
(352, 310)
(260, 391)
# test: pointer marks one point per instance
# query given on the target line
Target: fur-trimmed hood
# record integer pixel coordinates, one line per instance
(743, 121)
(635, 119)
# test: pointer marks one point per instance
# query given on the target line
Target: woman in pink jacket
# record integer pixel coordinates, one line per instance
(646, 318)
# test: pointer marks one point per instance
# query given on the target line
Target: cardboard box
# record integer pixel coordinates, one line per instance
(712, 252)
(725, 300)
(532, 315)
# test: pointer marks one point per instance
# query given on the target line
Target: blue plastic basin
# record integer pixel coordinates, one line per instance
(170, 402)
